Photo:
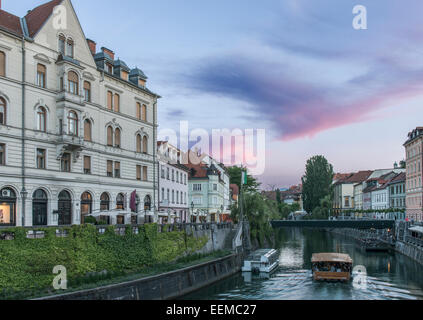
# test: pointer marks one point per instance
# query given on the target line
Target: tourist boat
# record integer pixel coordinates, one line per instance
(331, 266)
(261, 261)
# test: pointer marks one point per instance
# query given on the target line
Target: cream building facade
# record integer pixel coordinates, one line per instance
(77, 127)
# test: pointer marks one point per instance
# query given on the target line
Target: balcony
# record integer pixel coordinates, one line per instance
(71, 144)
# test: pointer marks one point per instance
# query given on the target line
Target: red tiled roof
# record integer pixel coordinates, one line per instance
(339, 176)
(36, 18)
(358, 177)
(197, 170)
(10, 22)
(399, 178)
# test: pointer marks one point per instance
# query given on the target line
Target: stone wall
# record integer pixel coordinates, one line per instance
(220, 236)
(170, 285)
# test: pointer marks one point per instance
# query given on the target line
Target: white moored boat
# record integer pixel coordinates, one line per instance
(264, 260)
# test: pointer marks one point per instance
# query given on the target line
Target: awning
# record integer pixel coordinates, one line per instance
(417, 229)
(110, 213)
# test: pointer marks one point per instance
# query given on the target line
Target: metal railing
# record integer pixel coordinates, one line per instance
(414, 241)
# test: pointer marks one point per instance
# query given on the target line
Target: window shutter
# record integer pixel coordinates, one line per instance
(87, 162)
(145, 173)
(138, 110)
(138, 172)
(117, 137)
(138, 143)
(87, 130)
(145, 144)
(117, 165)
(87, 85)
(41, 68)
(116, 102)
(144, 112)
(110, 136)
(109, 100)
(109, 166)
(72, 76)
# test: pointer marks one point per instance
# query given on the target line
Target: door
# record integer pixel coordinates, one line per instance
(65, 212)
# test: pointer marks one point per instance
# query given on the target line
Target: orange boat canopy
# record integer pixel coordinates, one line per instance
(331, 257)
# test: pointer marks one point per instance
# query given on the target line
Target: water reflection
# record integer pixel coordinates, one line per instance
(390, 276)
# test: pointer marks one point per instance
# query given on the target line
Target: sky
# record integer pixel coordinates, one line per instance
(296, 68)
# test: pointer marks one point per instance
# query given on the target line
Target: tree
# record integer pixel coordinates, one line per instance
(278, 196)
(317, 182)
(235, 174)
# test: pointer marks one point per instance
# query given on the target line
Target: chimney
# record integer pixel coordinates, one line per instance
(109, 52)
(92, 45)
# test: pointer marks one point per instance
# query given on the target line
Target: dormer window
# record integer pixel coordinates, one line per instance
(109, 68)
(124, 75)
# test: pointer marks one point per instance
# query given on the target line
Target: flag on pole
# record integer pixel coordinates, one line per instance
(244, 178)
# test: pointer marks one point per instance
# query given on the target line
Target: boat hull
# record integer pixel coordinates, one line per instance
(331, 276)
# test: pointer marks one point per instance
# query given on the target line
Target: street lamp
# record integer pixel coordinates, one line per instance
(192, 210)
(221, 211)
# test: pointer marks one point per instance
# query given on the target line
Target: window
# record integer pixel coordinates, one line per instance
(2, 111)
(109, 168)
(117, 138)
(73, 83)
(120, 201)
(139, 148)
(104, 202)
(144, 144)
(163, 194)
(62, 41)
(73, 123)
(173, 196)
(110, 136)
(177, 177)
(168, 195)
(173, 175)
(41, 158)
(124, 75)
(167, 173)
(139, 112)
(69, 48)
(2, 154)
(196, 187)
(87, 165)
(116, 99)
(177, 197)
(87, 91)
(109, 100)
(215, 187)
(66, 162)
(145, 173)
(109, 68)
(41, 75)
(41, 115)
(162, 172)
(138, 172)
(117, 169)
(87, 130)
(144, 112)
(2, 64)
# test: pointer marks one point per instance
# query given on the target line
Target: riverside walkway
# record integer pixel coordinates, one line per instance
(336, 224)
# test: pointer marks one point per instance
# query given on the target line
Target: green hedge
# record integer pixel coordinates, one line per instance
(27, 264)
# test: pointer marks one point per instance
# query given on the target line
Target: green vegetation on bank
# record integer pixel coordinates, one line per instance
(88, 256)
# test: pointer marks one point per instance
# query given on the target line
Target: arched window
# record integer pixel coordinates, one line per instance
(117, 138)
(86, 205)
(87, 130)
(110, 136)
(104, 202)
(2, 111)
(65, 208)
(73, 123)
(109, 100)
(116, 101)
(139, 143)
(8, 207)
(73, 83)
(2, 64)
(120, 201)
(144, 144)
(147, 203)
(62, 41)
(41, 117)
(69, 49)
(144, 112)
(87, 91)
(39, 208)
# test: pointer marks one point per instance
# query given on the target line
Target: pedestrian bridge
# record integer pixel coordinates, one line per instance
(338, 224)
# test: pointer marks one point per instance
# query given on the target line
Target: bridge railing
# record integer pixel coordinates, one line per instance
(414, 241)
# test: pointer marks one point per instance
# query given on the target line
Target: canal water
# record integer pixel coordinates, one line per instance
(390, 276)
